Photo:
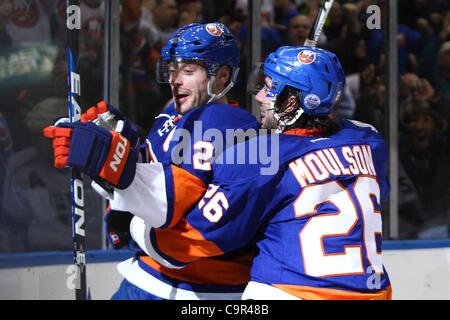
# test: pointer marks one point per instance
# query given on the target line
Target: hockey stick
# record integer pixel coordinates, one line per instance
(321, 17)
(78, 233)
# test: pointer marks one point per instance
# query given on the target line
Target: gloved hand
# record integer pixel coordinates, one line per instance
(101, 154)
(106, 116)
(117, 225)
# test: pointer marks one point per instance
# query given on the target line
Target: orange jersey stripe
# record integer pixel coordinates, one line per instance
(184, 243)
(207, 270)
(311, 293)
(188, 190)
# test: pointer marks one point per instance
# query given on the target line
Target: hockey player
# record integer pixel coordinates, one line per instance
(316, 221)
(200, 62)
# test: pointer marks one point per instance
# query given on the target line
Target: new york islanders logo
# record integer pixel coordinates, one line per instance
(26, 13)
(214, 29)
(306, 56)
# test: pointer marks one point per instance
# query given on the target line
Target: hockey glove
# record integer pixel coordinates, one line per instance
(101, 154)
(117, 225)
(106, 116)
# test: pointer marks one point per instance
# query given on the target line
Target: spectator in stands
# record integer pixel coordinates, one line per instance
(414, 10)
(37, 198)
(435, 60)
(415, 90)
(437, 70)
(190, 11)
(344, 35)
(91, 49)
(29, 23)
(6, 13)
(409, 43)
(299, 29)
(141, 41)
(371, 99)
(27, 56)
(271, 36)
(444, 67)
(309, 7)
(164, 17)
(335, 26)
(284, 11)
(424, 155)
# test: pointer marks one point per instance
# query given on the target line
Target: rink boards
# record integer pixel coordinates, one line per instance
(418, 269)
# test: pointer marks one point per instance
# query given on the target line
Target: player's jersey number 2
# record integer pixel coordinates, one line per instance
(339, 223)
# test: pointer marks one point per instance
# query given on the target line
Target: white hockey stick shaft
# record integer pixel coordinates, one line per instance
(321, 17)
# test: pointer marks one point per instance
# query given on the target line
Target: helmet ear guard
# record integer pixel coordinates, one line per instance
(231, 82)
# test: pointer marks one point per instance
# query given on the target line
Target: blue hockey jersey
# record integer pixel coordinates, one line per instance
(185, 147)
(316, 221)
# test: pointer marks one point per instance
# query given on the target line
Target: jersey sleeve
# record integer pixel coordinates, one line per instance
(225, 219)
(160, 194)
(381, 159)
(163, 192)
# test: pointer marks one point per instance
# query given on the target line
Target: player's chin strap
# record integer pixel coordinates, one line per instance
(214, 97)
(281, 123)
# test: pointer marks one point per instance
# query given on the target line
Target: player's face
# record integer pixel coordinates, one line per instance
(268, 121)
(188, 82)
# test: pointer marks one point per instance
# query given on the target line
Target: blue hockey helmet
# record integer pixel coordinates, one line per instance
(315, 72)
(212, 43)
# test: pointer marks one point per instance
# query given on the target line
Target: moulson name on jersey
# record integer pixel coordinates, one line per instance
(319, 165)
(264, 151)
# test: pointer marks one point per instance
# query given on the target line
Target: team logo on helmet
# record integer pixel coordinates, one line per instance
(270, 94)
(311, 101)
(214, 29)
(306, 56)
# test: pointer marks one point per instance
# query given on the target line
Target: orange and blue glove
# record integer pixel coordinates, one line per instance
(103, 155)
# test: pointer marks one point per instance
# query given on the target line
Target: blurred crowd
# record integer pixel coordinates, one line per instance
(33, 91)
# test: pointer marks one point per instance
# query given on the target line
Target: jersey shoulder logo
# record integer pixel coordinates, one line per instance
(168, 124)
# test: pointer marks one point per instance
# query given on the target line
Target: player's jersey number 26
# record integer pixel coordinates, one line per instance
(361, 197)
